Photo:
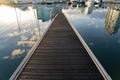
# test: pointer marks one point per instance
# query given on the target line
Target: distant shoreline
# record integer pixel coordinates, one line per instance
(112, 2)
(49, 3)
(31, 3)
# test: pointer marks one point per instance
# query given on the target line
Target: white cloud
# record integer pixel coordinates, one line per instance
(28, 43)
(15, 33)
(17, 52)
(25, 31)
(12, 34)
(37, 33)
(32, 32)
(6, 57)
(36, 29)
(23, 38)
(33, 38)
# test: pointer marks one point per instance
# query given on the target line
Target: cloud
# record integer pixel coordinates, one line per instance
(12, 34)
(23, 38)
(15, 33)
(71, 11)
(32, 32)
(28, 43)
(36, 29)
(6, 57)
(25, 31)
(33, 38)
(17, 52)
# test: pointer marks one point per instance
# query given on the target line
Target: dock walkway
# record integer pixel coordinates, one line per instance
(60, 56)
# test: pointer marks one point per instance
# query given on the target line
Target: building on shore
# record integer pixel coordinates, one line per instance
(88, 10)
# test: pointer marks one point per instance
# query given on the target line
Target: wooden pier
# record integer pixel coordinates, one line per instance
(60, 56)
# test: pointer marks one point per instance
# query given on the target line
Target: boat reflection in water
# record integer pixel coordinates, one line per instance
(112, 23)
(47, 12)
(88, 9)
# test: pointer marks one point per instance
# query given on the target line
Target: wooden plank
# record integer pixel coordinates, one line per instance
(60, 56)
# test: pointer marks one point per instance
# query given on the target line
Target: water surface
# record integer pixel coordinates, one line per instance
(99, 27)
(22, 25)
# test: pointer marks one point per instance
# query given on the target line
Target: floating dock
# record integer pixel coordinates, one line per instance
(60, 55)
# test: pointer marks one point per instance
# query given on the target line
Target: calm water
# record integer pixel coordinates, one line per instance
(20, 28)
(99, 27)
(23, 25)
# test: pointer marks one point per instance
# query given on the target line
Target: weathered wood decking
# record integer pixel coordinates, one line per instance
(60, 56)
